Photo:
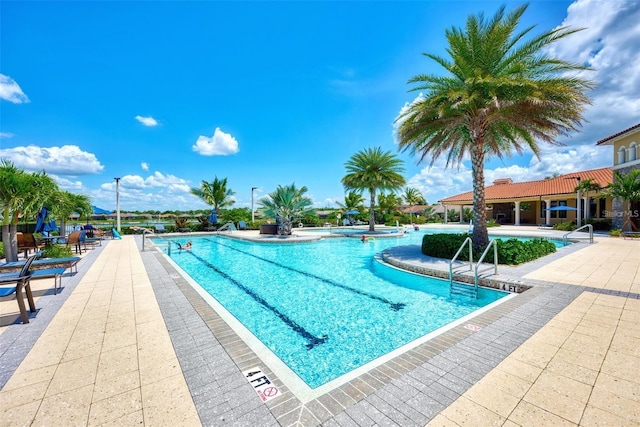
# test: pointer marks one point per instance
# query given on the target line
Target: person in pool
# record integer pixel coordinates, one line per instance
(187, 246)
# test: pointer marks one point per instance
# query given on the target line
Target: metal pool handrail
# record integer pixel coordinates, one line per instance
(589, 226)
(494, 243)
(469, 241)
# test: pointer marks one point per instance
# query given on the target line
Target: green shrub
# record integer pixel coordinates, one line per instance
(615, 232)
(56, 251)
(565, 226)
(492, 223)
(444, 245)
(1, 251)
(510, 252)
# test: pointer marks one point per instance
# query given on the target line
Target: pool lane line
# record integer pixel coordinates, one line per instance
(312, 340)
(395, 306)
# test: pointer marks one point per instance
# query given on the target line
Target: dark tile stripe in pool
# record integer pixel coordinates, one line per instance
(312, 340)
(394, 305)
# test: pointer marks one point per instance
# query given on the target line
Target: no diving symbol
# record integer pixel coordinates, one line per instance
(270, 391)
(261, 384)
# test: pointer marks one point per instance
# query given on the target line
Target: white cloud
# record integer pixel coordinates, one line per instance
(69, 185)
(65, 160)
(144, 166)
(157, 191)
(220, 144)
(147, 121)
(610, 44)
(6, 135)
(11, 91)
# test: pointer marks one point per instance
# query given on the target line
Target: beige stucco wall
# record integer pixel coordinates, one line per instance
(631, 144)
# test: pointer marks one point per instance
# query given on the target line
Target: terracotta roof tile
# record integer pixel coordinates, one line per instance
(617, 134)
(564, 184)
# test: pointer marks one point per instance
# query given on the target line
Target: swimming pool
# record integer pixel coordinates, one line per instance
(323, 308)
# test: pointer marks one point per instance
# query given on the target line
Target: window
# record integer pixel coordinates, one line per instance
(632, 151)
(622, 155)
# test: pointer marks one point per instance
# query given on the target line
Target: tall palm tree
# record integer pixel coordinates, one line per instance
(626, 187)
(412, 196)
(372, 169)
(215, 193)
(587, 186)
(502, 93)
(286, 203)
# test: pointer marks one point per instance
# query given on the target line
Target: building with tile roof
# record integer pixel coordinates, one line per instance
(526, 202)
(626, 157)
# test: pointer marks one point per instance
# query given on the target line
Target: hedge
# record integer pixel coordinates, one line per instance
(510, 251)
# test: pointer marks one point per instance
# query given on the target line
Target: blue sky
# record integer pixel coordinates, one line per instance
(166, 94)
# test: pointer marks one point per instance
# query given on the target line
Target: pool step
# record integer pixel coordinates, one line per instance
(463, 289)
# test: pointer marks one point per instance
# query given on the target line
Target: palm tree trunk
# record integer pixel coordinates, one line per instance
(480, 234)
(372, 214)
(6, 243)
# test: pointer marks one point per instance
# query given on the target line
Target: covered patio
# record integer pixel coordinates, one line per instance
(543, 202)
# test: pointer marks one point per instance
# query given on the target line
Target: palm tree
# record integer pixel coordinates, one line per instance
(587, 186)
(412, 197)
(21, 193)
(372, 169)
(353, 200)
(502, 93)
(388, 203)
(626, 187)
(286, 203)
(64, 203)
(215, 193)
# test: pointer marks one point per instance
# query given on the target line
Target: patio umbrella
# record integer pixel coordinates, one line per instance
(562, 208)
(49, 226)
(40, 219)
(213, 218)
(352, 212)
(98, 211)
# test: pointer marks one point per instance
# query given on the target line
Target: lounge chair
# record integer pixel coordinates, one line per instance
(27, 242)
(242, 225)
(73, 239)
(46, 263)
(160, 228)
(88, 241)
(22, 281)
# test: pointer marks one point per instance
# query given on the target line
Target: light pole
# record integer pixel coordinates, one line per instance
(252, 213)
(117, 204)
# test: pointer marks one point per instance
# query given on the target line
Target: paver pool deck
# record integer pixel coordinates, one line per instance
(128, 341)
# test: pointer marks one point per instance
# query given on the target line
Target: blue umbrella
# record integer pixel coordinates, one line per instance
(213, 217)
(40, 218)
(562, 208)
(98, 211)
(50, 226)
(352, 212)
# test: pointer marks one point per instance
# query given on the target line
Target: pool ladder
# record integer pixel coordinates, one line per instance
(471, 291)
(565, 239)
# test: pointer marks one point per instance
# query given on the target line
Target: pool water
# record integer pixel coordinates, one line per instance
(326, 307)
